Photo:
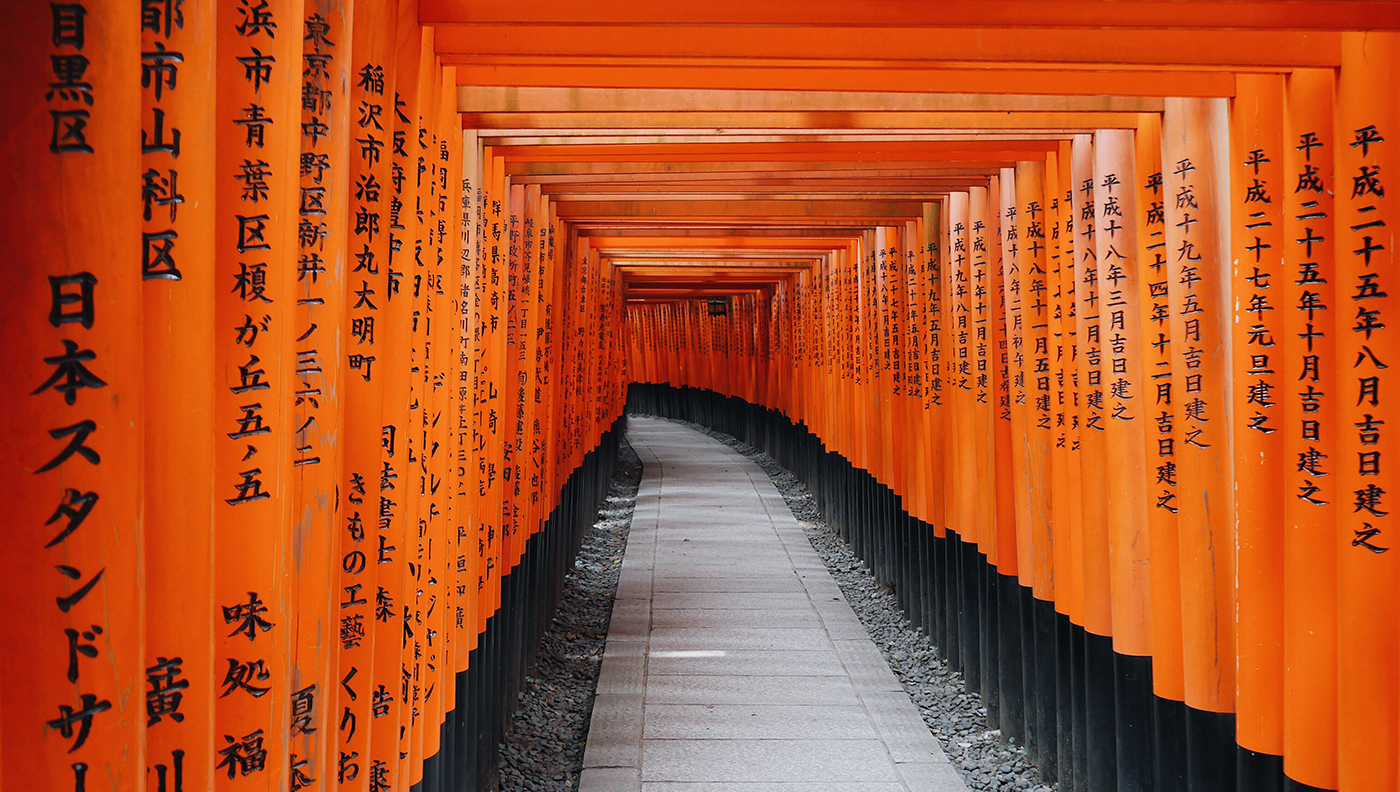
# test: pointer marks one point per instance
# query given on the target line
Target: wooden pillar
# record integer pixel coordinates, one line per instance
(1310, 429)
(1125, 424)
(1010, 432)
(1036, 557)
(1036, 539)
(397, 519)
(963, 373)
(917, 338)
(318, 385)
(491, 379)
(1093, 417)
(1098, 617)
(1059, 327)
(368, 583)
(1195, 175)
(936, 396)
(257, 239)
(434, 602)
(1256, 237)
(1368, 580)
(981, 304)
(73, 422)
(1002, 540)
(179, 334)
(1014, 304)
(1160, 455)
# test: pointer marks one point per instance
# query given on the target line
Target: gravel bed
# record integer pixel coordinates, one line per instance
(542, 750)
(955, 717)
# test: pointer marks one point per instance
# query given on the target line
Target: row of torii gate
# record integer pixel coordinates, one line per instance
(321, 316)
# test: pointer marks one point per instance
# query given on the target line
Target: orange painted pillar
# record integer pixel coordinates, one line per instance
(1002, 537)
(415, 54)
(317, 419)
(1256, 238)
(73, 418)
(1073, 390)
(177, 199)
(981, 475)
(1098, 598)
(512, 529)
(1059, 326)
(494, 401)
(1194, 178)
(468, 512)
(1125, 428)
(935, 336)
(397, 517)
(448, 138)
(915, 362)
(1159, 441)
(1007, 696)
(954, 243)
(1309, 429)
(481, 328)
(1035, 543)
(436, 601)
(1115, 200)
(1368, 580)
(257, 239)
(962, 330)
(532, 244)
(458, 250)
(1014, 358)
(1035, 536)
(1098, 614)
(368, 584)
(980, 436)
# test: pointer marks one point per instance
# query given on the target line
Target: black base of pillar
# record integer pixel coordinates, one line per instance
(1132, 712)
(1210, 751)
(1258, 772)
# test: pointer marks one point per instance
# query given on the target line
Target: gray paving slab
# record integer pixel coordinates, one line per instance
(694, 600)
(783, 662)
(668, 786)
(784, 619)
(756, 722)
(733, 664)
(737, 689)
(766, 760)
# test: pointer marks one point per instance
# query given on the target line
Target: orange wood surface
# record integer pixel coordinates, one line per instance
(1102, 287)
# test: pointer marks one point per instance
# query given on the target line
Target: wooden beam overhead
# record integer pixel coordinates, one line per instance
(581, 125)
(689, 172)
(802, 150)
(496, 99)
(1225, 48)
(522, 172)
(790, 78)
(1057, 14)
(872, 211)
(594, 231)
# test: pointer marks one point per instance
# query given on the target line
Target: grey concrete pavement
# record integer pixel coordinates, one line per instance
(733, 663)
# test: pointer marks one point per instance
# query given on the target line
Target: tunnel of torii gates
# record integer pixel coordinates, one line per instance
(319, 320)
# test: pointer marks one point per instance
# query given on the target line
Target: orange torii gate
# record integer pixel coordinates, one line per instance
(1075, 316)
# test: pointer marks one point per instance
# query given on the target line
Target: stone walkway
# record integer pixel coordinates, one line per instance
(732, 661)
